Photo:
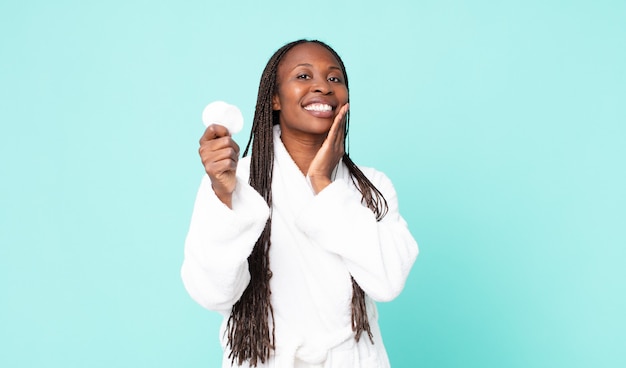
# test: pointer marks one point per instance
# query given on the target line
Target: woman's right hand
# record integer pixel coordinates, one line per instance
(219, 154)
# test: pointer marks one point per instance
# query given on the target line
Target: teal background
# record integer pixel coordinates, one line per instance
(500, 123)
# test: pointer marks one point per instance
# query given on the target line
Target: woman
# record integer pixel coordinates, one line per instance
(294, 243)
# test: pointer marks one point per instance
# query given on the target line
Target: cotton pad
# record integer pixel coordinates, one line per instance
(222, 113)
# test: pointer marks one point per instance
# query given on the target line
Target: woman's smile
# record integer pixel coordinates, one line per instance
(320, 109)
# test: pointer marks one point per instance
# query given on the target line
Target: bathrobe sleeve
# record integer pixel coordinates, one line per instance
(378, 254)
(219, 241)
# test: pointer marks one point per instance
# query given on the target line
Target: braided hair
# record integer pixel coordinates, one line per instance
(250, 336)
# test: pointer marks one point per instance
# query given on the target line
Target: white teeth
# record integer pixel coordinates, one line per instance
(318, 107)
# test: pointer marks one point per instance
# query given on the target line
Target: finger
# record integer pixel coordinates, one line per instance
(217, 168)
(340, 124)
(208, 149)
(209, 155)
(342, 118)
(219, 143)
(225, 153)
(214, 131)
(333, 132)
(339, 117)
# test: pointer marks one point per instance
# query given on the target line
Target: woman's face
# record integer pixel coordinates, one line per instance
(311, 90)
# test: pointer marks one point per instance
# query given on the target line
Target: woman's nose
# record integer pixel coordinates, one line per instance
(322, 86)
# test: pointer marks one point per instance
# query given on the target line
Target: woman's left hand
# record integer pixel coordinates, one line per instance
(330, 153)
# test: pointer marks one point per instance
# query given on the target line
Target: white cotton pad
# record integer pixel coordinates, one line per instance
(219, 112)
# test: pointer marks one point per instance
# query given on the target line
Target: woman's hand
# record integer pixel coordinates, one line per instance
(330, 153)
(219, 154)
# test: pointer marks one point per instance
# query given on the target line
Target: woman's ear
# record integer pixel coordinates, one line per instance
(275, 103)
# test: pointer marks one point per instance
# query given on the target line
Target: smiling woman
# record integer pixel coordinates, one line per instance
(295, 243)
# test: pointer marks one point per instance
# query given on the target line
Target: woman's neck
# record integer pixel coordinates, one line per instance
(302, 148)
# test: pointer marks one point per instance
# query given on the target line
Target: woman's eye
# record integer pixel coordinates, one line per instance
(334, 79)
(303, 76)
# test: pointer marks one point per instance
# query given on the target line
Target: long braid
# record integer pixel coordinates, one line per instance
(250, 337)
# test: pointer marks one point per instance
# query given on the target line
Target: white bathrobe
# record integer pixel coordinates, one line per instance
(317, 243)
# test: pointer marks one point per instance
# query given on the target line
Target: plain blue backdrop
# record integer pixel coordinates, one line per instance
(502, 125)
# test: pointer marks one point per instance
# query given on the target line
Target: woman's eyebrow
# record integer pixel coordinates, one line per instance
(311, 65)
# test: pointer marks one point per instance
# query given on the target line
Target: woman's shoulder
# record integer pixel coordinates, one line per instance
(373, 174)
(378, 178)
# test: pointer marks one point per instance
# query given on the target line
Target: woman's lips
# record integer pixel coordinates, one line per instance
(320, 110)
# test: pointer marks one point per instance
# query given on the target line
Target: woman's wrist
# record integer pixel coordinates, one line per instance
(318, 182)
(225, 197)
